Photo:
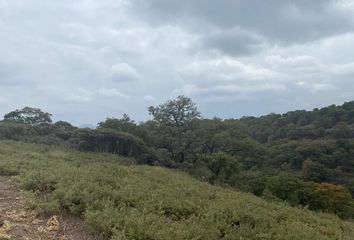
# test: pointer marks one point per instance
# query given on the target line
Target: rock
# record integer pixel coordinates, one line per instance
(53, 224)
(6, 226)
(36, 221)
(41, 229)
(16, 216)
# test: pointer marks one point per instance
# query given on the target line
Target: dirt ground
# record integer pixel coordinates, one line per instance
(18, 224)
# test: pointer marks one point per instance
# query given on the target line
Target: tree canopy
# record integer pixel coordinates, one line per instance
(29, 115)
(177, 113)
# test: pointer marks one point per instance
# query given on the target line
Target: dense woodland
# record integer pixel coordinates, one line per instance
(305, 158)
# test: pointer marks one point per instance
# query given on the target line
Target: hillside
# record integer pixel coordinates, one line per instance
(331, 122)
(303, 157)
(120, 200)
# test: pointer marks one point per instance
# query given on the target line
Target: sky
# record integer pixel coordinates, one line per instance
(86, 60)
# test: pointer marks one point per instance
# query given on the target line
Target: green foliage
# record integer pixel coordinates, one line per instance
(175, 119)
(124, 124)
(285, 187)
(13, 131)
(223, 166)
(325, 197)
(332, 122)
(314, 171)
(29, 115)
(247, 154)
(63, 133)
(333, 199)
(251, 181)
(109, 140)
(123, 201)
(351, 188)
(177, 114)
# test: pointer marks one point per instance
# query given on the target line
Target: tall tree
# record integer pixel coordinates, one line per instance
(177, 113)
(175, 118)
(29, 115)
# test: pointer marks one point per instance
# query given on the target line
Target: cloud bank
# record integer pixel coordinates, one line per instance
(89, 59)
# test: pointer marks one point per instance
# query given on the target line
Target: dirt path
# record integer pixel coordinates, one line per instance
(18, 224)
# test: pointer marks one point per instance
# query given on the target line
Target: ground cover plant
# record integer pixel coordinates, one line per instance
(121, 200)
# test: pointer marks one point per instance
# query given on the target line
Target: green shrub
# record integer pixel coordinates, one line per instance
(124, 201)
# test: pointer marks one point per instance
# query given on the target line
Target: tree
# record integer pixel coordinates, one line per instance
(333, 199)
(63, 130)
(223, 166)
(251, 181)
(29, 115)
(342, 130)
(177, 113)
(313, 171)
(64, 125)
(285, 187)
(109, 140)
(174, 119)
(124, 124)
(207, 135)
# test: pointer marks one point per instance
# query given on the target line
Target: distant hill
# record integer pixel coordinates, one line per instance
(120, 200)
(329, 122)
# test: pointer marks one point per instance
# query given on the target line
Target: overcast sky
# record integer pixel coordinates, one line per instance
(85, 60)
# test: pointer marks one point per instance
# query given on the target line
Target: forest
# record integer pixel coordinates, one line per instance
(304, 158)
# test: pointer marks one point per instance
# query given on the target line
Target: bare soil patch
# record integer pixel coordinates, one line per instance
(16, 223)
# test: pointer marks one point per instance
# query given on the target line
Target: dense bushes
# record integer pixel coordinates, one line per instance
(13, 131)
(110, 141)
(332, 199)
(223, 167)
(123, 201)
(325, 197)
(62, 133)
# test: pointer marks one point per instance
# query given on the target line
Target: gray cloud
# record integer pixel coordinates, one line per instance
(122, 72)
(86, 60)
(233, 42)
(278, 20)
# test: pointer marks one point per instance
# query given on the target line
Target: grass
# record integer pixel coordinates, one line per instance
(120, 200)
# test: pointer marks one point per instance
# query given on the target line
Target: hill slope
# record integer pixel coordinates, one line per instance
(16, 223)
(123, 201)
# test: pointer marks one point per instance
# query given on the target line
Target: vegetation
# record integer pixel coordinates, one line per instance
(121, 200)
(305, 158)
(28, 115)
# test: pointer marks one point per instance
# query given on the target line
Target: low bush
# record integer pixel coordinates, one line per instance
(119, 200)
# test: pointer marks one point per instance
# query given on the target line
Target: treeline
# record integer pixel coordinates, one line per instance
(333, 122)
(303, 157)
(62, 133)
